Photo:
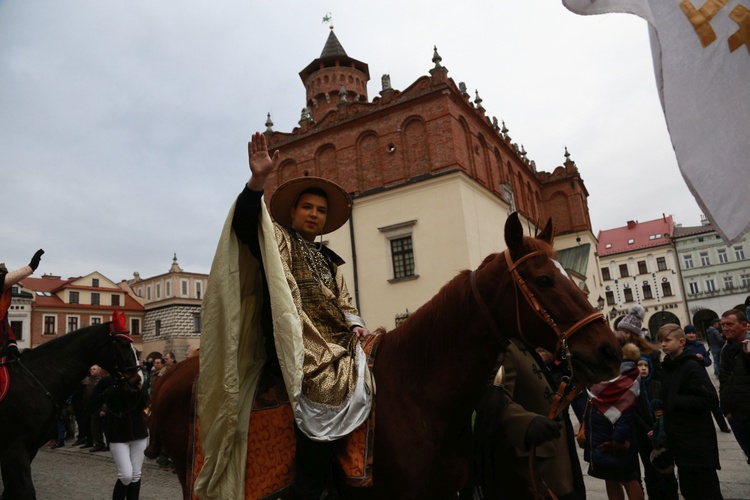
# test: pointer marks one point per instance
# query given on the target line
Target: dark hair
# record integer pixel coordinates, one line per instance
(313, 190)
(747, 301)
(740, 315)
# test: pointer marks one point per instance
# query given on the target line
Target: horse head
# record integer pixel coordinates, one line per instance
(550, 310)
(119, 357)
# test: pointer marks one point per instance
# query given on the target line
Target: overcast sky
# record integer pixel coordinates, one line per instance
(124, 124)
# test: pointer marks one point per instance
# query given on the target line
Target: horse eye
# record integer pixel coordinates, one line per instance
(543, 281)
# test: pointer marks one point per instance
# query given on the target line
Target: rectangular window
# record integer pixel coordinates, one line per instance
(402, 256)
(197, 322)
(72, 323)
(135, 326)
(642, 268)
(745, 280)
(158, 291)
(694, 287)
(168, 288)
(666, 289)
(628, 294)
(610, 298)
(115, 300)
(624, 271)
(73, 297)
(728, 282)
(705, 261)
(723, 258)
(661, 263)
(157, 327)
(96, 320)
(49, 325)
(710, 285)
(94, 299)
(605, 274)
(148, 293)
(647, 293)
(198, 289)
(95, 282)
(17, 327)
(739, 252)
(184, 288)
(688, 259)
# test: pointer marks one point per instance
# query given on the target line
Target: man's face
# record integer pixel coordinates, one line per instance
(94, 371)
(158, 364)
(309, 216)
(169, 360)
(671, 345)
(733, 329)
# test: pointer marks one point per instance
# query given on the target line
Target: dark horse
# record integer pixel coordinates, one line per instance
(431, 370)
(52, 372)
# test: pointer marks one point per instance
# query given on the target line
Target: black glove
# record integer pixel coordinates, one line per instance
(35, 259)
(541, 430)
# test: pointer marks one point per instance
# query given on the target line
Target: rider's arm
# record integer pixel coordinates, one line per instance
(245, 219)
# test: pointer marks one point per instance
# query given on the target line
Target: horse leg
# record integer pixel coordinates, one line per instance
(15, 464)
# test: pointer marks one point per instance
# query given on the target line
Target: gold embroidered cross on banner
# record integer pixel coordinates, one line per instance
(740, 15)
(701, 18)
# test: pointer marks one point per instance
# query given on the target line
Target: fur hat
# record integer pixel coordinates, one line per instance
(630, 351)
(633, 320)
(690, 329)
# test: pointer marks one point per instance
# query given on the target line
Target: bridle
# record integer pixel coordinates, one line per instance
(560, 398)
(118, 373)
(520, 284)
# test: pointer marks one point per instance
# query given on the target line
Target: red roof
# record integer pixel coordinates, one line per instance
(51, 285)
(635, 235)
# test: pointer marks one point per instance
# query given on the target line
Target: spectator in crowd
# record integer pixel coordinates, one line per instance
(734, 377)
(695, 346)
(716, 342)
(609, 418)
(689, 396)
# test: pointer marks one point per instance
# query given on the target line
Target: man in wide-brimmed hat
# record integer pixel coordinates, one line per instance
(312, 338)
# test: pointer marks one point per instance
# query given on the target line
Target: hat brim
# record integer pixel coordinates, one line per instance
(339, 203)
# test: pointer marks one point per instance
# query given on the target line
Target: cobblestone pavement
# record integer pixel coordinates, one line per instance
(70, 473)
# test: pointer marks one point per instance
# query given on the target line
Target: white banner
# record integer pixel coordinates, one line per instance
(701, 52)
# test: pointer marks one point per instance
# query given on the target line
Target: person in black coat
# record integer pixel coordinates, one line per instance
(689, 397)
(126, 431)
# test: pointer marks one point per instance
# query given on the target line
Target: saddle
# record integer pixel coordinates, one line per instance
(269, 471)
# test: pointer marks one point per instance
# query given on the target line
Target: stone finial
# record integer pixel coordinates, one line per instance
(305, 116)
(175, 268)
(478, 101)
(436, 58)
(567, 155)
(523, 152)
(269, 124)
(385, 82)
(342, 94)
(495, 124)
(462, 89)
(505, 131)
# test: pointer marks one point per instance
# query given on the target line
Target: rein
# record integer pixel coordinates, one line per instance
(38, 382)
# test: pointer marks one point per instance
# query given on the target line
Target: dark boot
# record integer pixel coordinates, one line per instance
(120, 491)
(134, 490)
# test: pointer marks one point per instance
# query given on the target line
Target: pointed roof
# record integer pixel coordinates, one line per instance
(333, 55)
(333, 47)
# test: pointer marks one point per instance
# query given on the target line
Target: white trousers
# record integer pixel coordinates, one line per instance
(129, 459)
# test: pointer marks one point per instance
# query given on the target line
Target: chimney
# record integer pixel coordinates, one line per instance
(631, 224)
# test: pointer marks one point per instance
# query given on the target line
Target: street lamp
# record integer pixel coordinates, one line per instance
(613, 313)
(600, 302)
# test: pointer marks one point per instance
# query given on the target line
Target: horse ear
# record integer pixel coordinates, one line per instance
(513, 233)
(546, 234)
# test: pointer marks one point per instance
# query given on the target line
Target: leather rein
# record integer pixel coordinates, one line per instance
(560, 400)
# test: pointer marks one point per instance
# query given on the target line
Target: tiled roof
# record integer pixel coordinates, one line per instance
(333, 47)
(681, 232)
(635, 235)
(50, 285)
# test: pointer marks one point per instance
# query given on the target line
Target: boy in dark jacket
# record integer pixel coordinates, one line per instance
(689, 397)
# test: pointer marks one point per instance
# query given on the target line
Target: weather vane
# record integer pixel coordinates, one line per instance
(328, 19)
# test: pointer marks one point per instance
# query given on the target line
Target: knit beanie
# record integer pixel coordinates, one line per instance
(690, 329)
(633, 320)
(630, 351)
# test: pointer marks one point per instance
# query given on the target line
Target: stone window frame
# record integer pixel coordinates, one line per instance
(394, 232)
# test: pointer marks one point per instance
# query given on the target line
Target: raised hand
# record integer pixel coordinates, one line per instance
(261, 163)
(35, 259)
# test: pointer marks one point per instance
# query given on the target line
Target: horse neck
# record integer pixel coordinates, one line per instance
(60, 365)
(446, 344)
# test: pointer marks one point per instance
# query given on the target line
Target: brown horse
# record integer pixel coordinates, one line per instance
(431, 371)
